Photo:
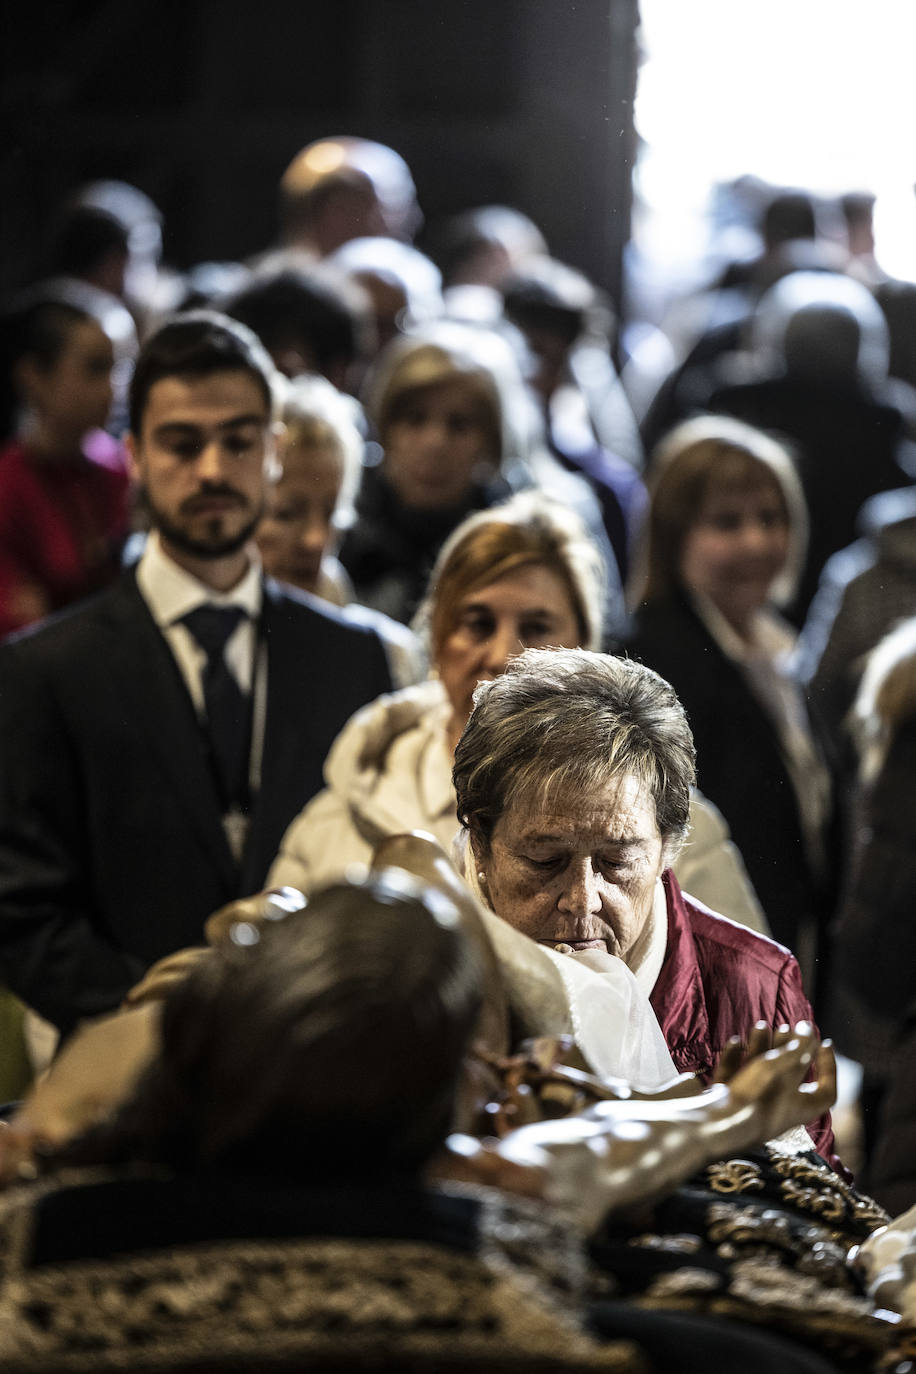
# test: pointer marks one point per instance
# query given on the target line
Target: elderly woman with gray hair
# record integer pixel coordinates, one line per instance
(573, 781)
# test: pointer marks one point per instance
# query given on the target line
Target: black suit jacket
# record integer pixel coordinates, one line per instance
(112, 850)
(740, 764)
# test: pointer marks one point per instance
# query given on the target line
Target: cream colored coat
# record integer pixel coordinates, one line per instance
(390, 771)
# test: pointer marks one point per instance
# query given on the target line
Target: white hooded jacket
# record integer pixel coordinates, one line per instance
(390, 771)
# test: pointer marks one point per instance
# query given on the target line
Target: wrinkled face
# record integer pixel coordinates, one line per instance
(298, 525)
(527, 609)
(436, 444)
(201, 457)
(74, 393)
(736, 548)
(581, 873)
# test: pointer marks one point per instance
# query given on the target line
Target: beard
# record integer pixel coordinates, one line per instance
(208, 538)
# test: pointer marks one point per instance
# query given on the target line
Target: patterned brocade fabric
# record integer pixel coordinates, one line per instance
(765, 1239)
(313, 1303)
(249, 1275)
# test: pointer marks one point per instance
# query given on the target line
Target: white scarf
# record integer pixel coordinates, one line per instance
(648, 953)
(607, 1013)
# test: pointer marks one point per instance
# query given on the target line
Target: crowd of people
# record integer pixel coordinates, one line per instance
(436, 760)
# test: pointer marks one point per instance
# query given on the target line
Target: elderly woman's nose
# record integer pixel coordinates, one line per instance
(581, 895)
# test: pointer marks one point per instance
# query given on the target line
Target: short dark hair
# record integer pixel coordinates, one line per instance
(546, 294)
(83, 238)
(37, 324)
(196, 345)
(318, 307)
(789, 215)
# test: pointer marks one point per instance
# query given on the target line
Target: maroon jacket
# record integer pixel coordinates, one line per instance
(717, 979)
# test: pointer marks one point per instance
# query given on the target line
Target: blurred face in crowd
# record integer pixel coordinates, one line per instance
(201, 457)
(578, 871)
(298, 525)
(436, 444)
(529, 608)
(73, 395)
(736, 548)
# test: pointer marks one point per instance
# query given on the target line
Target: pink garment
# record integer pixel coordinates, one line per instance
(62, 526)
(717, 979)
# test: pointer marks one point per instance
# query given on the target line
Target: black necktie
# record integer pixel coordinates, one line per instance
(228, 708)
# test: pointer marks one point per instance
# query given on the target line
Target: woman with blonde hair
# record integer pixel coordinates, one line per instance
(726, 535)
(519, 576)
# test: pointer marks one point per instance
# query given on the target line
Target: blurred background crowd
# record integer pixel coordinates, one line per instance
(470, 295)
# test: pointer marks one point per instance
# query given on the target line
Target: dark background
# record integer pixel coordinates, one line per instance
(202, 103)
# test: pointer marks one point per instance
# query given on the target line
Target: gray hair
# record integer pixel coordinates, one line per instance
(563, 721)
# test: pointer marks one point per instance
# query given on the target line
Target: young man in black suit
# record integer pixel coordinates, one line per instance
(156, 741)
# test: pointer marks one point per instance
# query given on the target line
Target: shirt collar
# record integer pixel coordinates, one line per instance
(171, 592)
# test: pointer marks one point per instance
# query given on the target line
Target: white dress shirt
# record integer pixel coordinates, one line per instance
(170, 593)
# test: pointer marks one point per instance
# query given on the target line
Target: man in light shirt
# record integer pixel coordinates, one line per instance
(156, 741)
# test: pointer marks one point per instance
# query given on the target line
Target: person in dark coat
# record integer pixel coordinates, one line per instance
(439, 420)
(155, 742)
(874, 936)
(726, 528)
(863, 592)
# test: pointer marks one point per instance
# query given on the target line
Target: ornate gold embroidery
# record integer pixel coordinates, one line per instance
(321, 1300)
(738, 1226)
(771, 1288)
(815, 1180)
(735, 1176)
(901, 1358)
(764, 1292)
(821, 1201)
